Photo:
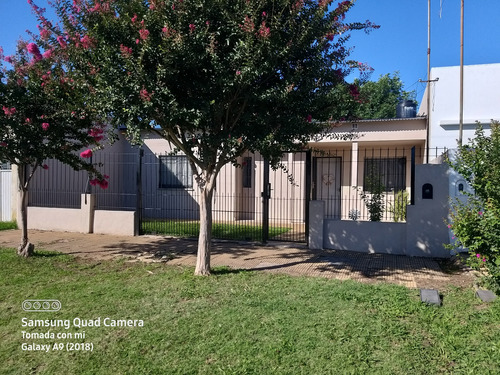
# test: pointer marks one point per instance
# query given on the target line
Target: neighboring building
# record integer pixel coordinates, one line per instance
(481, 102)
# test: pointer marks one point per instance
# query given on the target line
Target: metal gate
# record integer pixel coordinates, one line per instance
(252, 202)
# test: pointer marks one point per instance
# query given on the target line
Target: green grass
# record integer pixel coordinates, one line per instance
(226, 231)
(5, 225)
(239, 322)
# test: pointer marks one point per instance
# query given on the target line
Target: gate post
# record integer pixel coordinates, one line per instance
(308, 192)
(266, 195)
(138, 216)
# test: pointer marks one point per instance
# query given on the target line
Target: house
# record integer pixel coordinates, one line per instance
(158, 186)
(481, 102)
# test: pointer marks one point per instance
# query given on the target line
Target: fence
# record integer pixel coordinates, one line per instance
(251, 202)
(60, 186)
(368, 184)
(162, 190)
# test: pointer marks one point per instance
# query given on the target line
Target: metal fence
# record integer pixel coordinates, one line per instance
(368, 184)
(60, 186)
(252, 201)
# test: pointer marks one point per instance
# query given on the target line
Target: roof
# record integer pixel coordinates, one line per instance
(386, 119)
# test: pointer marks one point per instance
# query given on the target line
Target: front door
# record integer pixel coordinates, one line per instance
(327, 174)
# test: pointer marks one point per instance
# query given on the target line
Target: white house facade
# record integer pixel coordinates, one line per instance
(481, 102)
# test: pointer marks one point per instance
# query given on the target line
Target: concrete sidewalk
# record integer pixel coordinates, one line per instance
(292, 259)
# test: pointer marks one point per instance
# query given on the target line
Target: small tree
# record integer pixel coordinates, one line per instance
(214, 78)
(476, 223)
(43, 116)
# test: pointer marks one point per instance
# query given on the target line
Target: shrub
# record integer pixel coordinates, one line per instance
(476, 222)
(398, 209)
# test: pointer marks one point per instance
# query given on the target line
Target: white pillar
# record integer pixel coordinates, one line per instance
(87, 213)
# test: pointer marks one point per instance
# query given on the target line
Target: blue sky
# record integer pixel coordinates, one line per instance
(401, 42)
(399, 45)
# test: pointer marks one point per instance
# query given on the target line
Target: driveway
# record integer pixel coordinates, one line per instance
(288, 258)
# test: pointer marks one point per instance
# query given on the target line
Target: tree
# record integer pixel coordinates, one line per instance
(43, 116)
(379, 99)
(213, 77)
(476, 223)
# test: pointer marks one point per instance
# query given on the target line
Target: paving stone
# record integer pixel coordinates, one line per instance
(486, 295)
(430, 296)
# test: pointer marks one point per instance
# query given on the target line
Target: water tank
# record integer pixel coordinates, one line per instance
(406, 109)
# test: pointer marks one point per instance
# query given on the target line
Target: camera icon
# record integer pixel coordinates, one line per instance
(37, 305)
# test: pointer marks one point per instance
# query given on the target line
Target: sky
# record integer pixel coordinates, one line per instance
(399, 45)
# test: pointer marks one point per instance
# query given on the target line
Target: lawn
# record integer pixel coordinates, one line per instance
(5, 225)
(227, 231)
(237, 322)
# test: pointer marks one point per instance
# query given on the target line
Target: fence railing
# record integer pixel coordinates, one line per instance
(355, 183)
(368, 183)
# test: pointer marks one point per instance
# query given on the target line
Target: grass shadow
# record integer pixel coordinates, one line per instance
(221, 271)
(48, 254)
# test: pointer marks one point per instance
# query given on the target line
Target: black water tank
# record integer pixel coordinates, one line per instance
(406, 109)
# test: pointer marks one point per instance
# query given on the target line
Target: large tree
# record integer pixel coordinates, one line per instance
(43, 116)
(213, 77)
(366, 99)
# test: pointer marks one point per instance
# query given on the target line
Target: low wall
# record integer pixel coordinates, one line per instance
(424, 233)
(365, 236)
(115, 222)
(83, 220)
(58, 219)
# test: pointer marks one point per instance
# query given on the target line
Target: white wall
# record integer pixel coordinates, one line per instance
(5, 195)
(424, 233)
(481, 102)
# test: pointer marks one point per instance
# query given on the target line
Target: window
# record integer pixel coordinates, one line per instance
(388, 174)
(5, 165)
(247, 172)
(175, 172)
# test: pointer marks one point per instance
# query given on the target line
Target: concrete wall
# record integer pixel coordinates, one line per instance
(83, 220)
(423, 234)
(121, 223)
(5, 195)
(426, 227)
(481, 84)
(365, 236)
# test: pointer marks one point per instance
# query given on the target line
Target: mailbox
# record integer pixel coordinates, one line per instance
(427, 192)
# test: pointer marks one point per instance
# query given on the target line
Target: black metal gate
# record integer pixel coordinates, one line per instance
(251, 203)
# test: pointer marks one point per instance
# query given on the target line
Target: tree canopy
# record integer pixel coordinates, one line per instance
(215, 78)
(43, 116)
(367, 99)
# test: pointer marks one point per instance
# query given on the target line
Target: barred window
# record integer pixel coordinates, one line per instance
(385, 174)
(175, 172)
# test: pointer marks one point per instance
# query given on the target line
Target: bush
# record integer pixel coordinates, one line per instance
(398, 209)
(476, 222)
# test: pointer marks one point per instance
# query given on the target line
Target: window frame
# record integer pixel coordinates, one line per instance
(398, 177)
(185, 182)
(247, 169)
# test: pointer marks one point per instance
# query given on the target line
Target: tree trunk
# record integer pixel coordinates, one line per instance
(25, 249)
(205, 238)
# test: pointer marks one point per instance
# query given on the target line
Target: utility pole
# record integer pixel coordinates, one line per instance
(461, 117)
(428, 138)
(428, 81)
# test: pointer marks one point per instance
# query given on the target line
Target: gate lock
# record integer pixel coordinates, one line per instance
(266, 194)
